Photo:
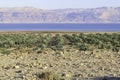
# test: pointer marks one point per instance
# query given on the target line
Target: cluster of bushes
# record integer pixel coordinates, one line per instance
(95, 41)
(78, 40)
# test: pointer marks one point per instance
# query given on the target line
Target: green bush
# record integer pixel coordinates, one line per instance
(115, 49)
(43, 41)
(84, 47)
(57, 42)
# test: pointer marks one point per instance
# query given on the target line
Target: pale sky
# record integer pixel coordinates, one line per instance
(60, 4)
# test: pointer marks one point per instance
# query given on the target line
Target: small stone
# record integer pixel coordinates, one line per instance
(17, 67)
(81, 64)
(60, 53)
(66, 75)
(45, 67)
(86, 52)
(19, 76)
(97, 56)
(7, 68)
(21, 57)
(38, 52)
(35, 58)
(115, 74)
(34, 64)
(39, 64)
(19, 71)
(46, 52)
(95, 51)
(119, 52)
(51, 65)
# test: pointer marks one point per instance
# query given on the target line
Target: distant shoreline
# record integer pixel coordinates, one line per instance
(53, 32)
(59, 23)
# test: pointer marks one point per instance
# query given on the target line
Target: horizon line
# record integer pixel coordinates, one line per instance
(60, 8)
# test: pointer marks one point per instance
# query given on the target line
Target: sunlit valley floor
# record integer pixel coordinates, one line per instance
(59, 56)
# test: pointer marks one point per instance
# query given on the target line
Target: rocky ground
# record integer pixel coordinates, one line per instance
(26, 64)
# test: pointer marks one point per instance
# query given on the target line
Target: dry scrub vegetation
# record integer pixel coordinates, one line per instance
(59, 56)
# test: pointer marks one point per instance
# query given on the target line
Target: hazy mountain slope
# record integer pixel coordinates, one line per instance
(34, 15)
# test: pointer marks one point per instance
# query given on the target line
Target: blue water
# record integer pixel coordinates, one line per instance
(60, 27)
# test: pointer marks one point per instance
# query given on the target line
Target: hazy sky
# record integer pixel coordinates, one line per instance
(55, 4)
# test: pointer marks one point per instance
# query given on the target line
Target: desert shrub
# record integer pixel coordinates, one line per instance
(84, 47)
(115, 48)
(42, 46)
(68, 38)
(48, 76)
(73, 39)
(42, 41)
(57, 42)
(101, 46)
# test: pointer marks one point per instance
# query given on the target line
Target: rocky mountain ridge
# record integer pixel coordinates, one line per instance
(35, 15)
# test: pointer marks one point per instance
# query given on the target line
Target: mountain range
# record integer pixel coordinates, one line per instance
(79, 15)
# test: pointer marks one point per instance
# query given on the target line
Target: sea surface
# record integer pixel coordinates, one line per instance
(61, 27)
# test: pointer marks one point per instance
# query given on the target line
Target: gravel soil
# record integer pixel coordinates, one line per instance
(25, 64)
